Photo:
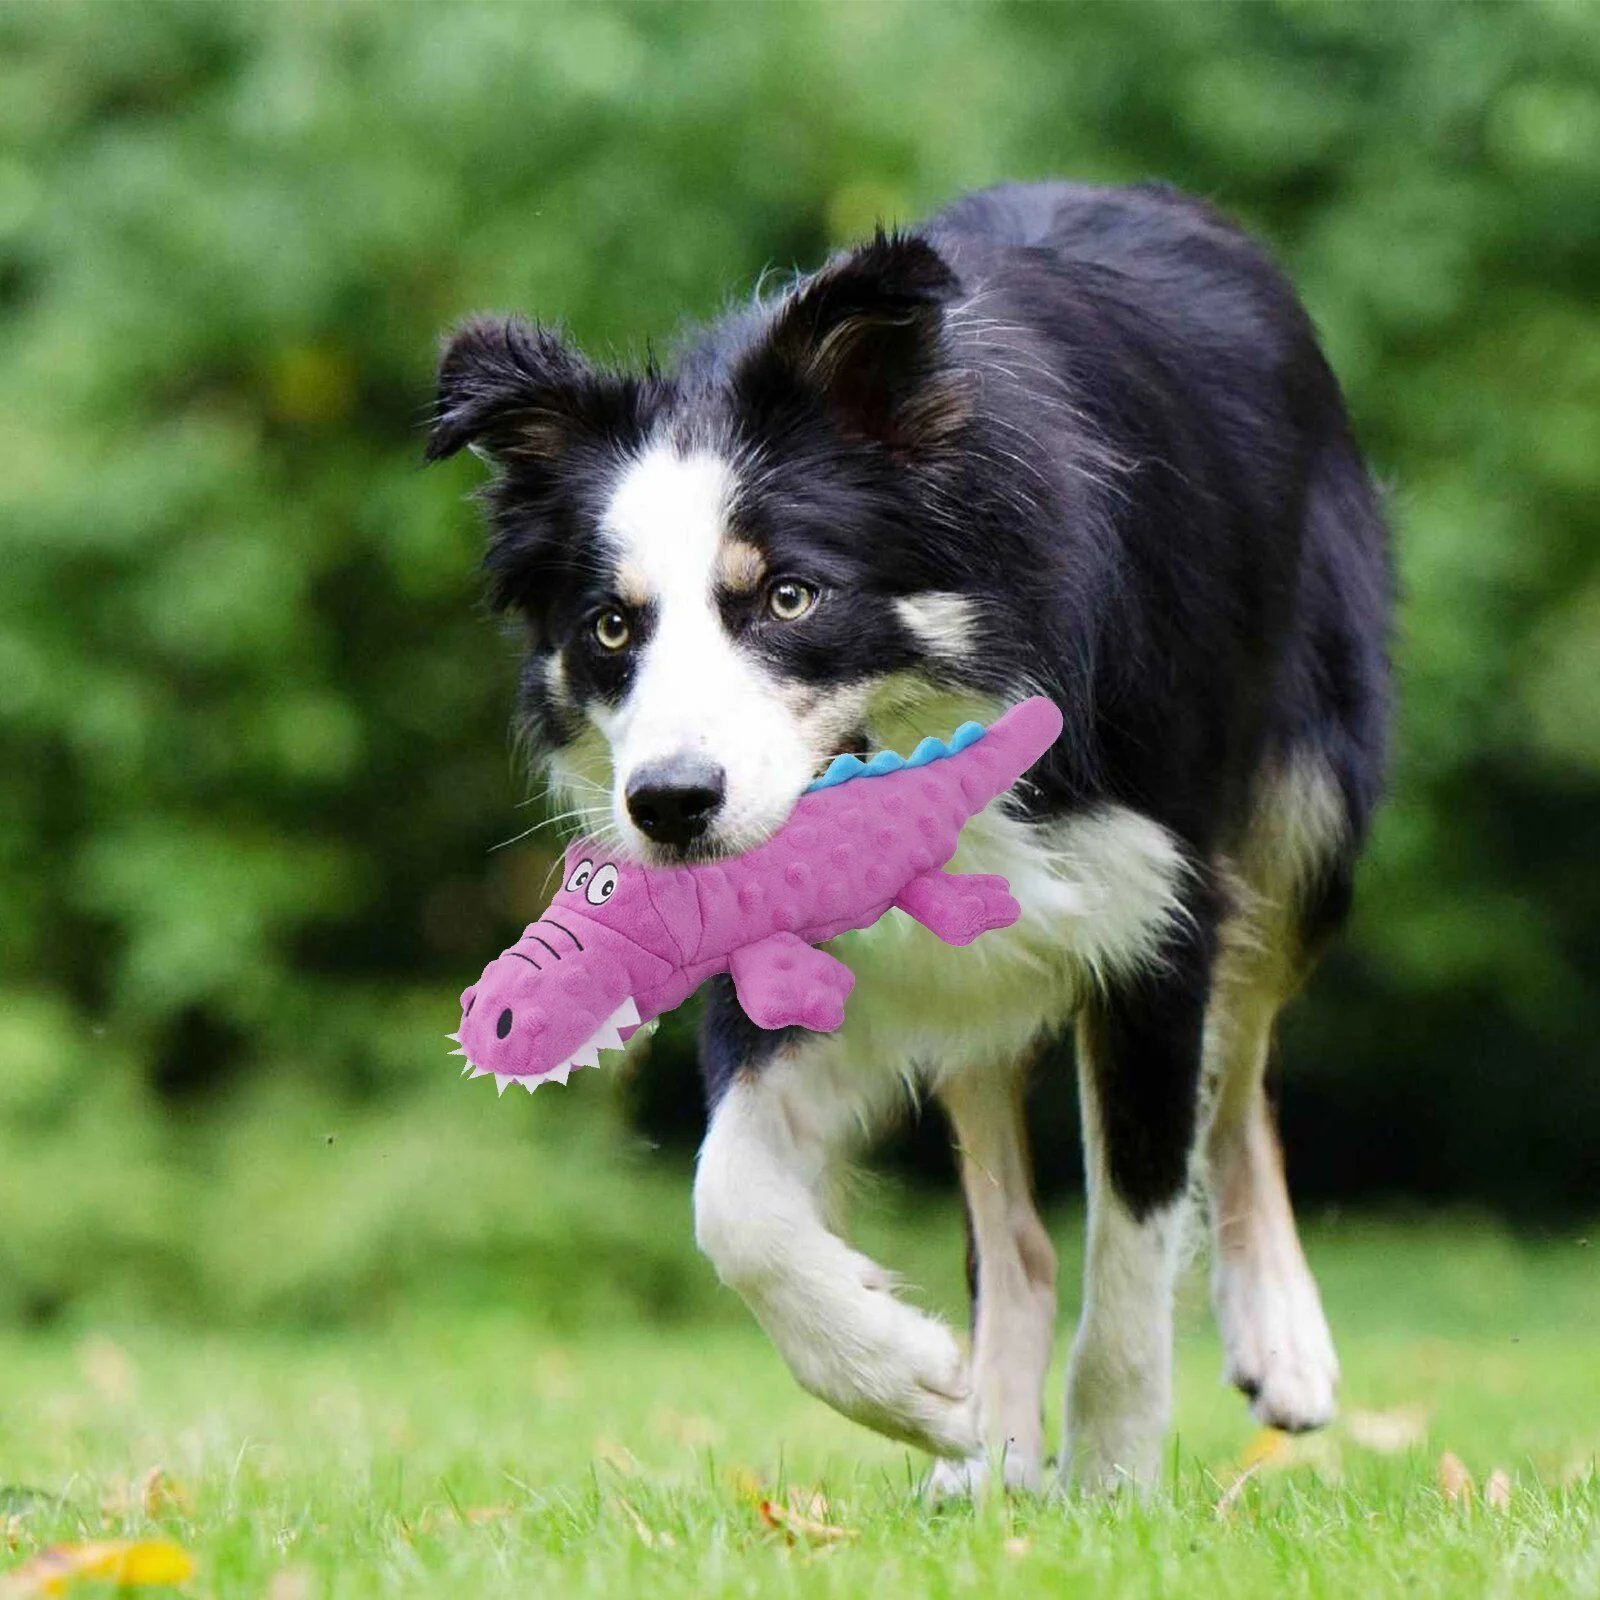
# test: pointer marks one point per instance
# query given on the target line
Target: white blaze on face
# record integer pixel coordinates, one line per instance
(693, 690)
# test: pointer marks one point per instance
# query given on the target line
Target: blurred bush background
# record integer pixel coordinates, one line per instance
(254, 764)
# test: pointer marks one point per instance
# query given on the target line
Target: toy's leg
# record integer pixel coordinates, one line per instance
(957, 907)
(760, 1191)
(783, 982)
(1139, 1044)
(1013, 1271)
(1275, 1338)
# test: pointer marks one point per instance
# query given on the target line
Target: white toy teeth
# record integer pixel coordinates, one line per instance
(608, 1036)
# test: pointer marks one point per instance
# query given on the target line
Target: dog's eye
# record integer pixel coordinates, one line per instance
(789, 601)
(612, 630)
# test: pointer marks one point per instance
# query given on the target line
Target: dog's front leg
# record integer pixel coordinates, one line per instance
(1139, 1057)
(1012, 1268)
(779, 1126)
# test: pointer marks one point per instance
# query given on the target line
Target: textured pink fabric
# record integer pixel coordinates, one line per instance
(782, 981)
(622, 943)
(959, 906)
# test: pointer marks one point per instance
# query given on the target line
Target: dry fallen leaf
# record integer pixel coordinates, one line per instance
(462, 1516)
(1497, 1490)
(128, 1564)
(649, 1537)
(17, 1504)
(554, 1377)
(795, 1525)
(811, 1503)
(616, 1456)
(1225, 1502)
(107, 1368)
(154, 1496)
(1267, 1449)
(1270, 1451)
(161, 1495)
(292, 1583)
(681, 1428)
(1455, 1482)
(476, 1516)
(1388, 1432)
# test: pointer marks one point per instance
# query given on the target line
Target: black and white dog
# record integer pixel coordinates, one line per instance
(1059, 440)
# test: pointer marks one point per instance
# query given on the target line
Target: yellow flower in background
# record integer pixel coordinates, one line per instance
(135, 1564)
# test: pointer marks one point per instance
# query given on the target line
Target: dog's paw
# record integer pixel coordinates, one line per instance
(1278, 1351)
(957, 1480)
(1116, 1451)
(973, 1477)
(879, 1361)
(913, 1383)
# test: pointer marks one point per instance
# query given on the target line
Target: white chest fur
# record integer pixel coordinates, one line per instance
(1097, 891)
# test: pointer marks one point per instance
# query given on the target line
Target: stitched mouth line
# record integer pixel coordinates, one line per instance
(550, 922)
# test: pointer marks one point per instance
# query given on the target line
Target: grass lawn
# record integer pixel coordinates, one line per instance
(477, 1452)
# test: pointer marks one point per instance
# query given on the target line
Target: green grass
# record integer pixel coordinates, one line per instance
(478, 1452)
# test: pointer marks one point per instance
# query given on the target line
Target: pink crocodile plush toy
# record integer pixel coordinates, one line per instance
(622, 943)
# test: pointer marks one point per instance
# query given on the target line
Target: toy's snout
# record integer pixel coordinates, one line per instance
(516, 1014)
(535, 1015)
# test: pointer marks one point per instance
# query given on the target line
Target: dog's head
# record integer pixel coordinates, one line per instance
(723, 569)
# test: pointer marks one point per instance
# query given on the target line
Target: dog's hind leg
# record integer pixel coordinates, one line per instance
(1275, 1339)
(1013, 1272)
(1292, 891)
(778, 1131)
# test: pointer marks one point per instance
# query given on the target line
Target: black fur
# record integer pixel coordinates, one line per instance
(1143, 1034)
(1103, 417)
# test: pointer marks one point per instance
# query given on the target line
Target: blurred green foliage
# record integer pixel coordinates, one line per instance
(253, 719)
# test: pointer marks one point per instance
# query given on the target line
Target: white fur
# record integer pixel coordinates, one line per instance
(759, 1199)
(1096, 894)
(1119, 1387)
(1119, 1381)
(694, 689)
(1299, 823)
(1275, 1337)
(945, 625)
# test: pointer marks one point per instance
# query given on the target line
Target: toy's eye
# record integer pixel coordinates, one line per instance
(611, 629)
(603, 886)
(580, 876)
(788, 601)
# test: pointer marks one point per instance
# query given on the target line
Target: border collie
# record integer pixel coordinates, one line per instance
(1060, 440)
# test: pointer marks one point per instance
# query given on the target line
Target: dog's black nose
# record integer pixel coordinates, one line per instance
(673, 801)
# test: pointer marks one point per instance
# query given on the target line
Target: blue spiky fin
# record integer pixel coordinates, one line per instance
(842, 769)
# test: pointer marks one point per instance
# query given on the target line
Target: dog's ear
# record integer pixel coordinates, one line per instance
(865, 338)
(515, 393)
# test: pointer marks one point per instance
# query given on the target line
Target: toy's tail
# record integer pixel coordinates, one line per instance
(1009, 746)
